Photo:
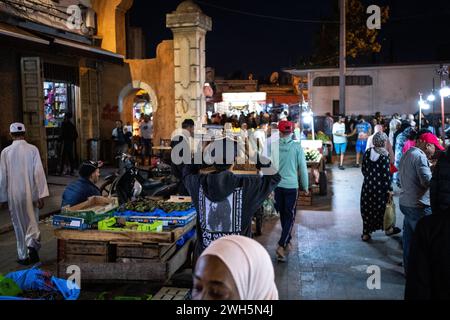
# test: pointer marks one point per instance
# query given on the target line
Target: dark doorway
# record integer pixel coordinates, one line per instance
(336, 108)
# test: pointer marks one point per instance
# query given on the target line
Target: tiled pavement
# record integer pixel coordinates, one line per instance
(329, 260)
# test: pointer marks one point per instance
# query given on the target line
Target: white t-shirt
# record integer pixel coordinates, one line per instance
(146, 129)
(339, 128)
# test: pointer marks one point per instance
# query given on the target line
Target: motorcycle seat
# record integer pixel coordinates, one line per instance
(152, 184)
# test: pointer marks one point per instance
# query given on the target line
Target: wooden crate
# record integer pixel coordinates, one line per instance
(84, 251)
(158, 270)
(304, 201)
(141, 253)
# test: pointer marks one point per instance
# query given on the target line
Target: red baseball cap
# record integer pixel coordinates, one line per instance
(431, 138)
(286, 126)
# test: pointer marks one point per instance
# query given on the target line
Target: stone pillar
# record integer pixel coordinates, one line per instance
(189, 26)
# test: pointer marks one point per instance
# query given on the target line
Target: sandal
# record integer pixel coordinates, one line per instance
(393, 231)
(366, 237)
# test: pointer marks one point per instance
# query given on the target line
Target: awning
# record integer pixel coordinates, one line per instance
(88, 48)
(18, 33)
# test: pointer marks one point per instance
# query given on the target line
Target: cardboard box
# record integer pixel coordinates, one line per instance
(93, 210)
(72, 223)
(179, 199)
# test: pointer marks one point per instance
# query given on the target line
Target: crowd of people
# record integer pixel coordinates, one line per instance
(392, 153)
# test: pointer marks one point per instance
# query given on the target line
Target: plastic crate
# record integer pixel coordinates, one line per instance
(108, 225)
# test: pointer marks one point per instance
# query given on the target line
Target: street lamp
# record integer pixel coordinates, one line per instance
(431, 98)
(445, 92)
(423, 105)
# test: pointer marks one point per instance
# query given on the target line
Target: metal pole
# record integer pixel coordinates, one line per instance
(420, 112)
(312, 127)
(342, 58)
(443, 113)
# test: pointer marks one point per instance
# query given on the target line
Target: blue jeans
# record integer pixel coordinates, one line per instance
(412, 217)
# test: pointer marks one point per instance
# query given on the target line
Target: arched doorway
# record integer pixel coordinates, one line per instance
(136, 100)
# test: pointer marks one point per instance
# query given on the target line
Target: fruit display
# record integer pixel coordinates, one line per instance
(320, 136)
(312, 155)
(149, 205)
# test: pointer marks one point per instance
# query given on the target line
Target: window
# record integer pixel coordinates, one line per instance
(350, 81)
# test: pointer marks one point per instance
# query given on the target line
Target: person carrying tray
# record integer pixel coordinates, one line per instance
(226, 202)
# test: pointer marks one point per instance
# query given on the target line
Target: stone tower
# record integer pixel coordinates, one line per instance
(189, 26)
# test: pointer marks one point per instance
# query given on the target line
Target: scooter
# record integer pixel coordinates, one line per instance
(130, 184)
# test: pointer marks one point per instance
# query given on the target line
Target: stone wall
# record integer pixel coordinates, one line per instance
(119, 84)
(111, 23)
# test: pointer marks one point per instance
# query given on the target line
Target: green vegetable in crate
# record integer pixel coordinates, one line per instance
(148, 205)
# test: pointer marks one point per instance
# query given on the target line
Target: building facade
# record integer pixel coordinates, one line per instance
(71, 56)
(385, 89)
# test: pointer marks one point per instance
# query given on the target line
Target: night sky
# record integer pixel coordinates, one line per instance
(415, 32)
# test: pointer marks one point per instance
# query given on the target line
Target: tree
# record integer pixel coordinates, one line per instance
(361, 41)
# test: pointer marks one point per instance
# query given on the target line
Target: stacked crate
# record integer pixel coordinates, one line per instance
(133, 256)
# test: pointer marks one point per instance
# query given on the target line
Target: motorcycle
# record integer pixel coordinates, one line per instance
(130, 183)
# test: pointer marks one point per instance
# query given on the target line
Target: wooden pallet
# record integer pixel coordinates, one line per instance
(168, 237)
(168, 293)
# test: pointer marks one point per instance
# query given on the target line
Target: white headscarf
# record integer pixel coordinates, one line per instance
(249, 264)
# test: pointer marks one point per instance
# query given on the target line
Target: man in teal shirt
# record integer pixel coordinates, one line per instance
(289, 160)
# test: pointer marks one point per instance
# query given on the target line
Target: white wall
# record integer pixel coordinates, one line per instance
(394, 90)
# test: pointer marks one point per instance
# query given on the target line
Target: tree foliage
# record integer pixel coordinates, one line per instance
(361, 41)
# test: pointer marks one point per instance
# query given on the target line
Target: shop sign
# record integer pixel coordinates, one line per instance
(236, 97)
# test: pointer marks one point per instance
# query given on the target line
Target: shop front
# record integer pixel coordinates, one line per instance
(233, 103)
(60, 89)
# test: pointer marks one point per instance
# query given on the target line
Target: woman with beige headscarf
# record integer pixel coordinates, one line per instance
(376, 188)
(234, 268)
(390, 150)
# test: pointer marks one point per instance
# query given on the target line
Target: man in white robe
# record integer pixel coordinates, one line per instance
(23, 186)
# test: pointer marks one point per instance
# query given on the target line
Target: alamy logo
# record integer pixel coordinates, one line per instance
(374, 21)
(75, 20)
(374, 281)
(74, 280)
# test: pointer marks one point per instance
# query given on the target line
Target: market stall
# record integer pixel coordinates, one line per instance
(146, 239)
(316, 163)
